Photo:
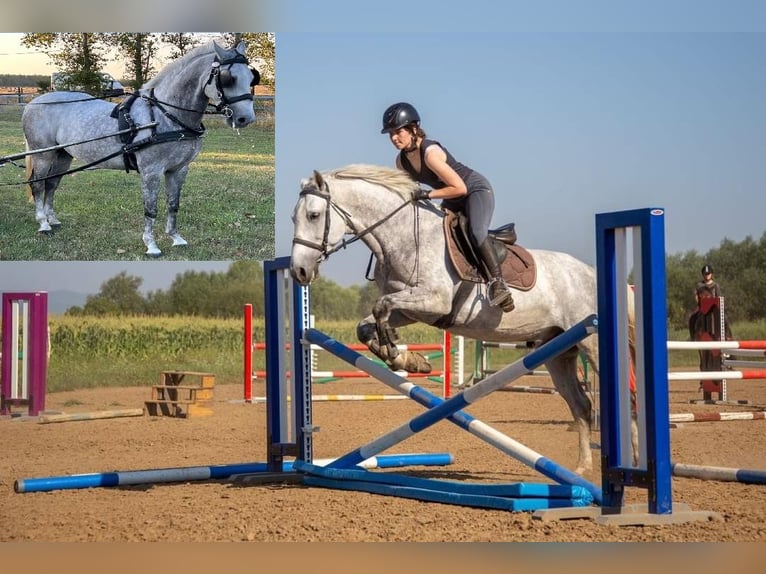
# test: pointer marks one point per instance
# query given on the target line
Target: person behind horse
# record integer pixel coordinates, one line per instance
(460, 188)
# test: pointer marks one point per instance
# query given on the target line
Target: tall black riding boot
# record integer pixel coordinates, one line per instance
(499, 293)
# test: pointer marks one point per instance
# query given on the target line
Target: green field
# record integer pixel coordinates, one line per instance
(226, 213)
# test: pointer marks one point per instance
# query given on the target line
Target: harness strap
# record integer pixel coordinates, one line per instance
(76, 169)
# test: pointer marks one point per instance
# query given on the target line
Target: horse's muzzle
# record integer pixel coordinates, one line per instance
(301, 275)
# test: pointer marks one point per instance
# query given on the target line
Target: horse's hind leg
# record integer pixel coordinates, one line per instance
(150, 183)
(43, 191)
(563, 371)
(173, 183)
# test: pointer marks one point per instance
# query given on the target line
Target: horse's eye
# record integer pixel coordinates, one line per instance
(313, 216)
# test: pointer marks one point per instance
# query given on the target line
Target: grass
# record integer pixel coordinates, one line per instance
(226, 213)
(67, 373)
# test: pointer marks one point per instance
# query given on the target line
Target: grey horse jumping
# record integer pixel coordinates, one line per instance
(418, 282)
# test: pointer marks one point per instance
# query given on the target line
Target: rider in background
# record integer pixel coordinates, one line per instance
(709, 287)
(460, 188)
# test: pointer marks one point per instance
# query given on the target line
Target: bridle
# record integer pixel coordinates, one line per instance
(324, 248)
(221, 77)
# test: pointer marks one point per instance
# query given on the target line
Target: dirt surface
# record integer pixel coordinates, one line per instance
(235, 433)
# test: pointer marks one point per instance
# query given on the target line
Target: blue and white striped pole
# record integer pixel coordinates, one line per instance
(452, 411)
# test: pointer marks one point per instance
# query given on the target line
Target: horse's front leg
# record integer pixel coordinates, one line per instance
(150, 184)
(173, 183)
(394, 310)
(381, 341)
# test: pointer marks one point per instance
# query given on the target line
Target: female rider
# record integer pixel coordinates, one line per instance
(460, 188)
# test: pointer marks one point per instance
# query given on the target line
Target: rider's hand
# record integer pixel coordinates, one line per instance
(420, 193)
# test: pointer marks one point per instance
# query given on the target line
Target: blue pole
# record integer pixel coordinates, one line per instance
(194, 473)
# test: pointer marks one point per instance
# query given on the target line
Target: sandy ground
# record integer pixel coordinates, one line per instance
(235, 433)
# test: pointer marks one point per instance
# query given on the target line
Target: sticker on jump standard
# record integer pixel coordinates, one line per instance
(657, 211)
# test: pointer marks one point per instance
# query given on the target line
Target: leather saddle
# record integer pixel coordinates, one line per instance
(518, 266)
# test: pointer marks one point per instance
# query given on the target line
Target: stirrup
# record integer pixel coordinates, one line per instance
(503, 298)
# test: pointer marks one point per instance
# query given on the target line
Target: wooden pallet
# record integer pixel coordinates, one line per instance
(171, 398)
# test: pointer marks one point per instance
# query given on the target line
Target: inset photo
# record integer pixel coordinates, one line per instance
(136, 146)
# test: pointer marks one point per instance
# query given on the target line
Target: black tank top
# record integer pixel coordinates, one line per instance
(426, 175)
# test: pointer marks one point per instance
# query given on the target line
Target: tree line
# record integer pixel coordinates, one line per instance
(83, 55)
(217, 294)
(23, 80)
(739, 267)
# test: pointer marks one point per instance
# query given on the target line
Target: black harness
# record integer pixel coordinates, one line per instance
(219, 77)
(130, 129)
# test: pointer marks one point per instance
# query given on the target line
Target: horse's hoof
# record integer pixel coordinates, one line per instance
(153, 251)
(178, 241)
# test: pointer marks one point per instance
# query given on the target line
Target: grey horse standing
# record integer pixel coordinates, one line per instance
(163, 128)
(419, 284)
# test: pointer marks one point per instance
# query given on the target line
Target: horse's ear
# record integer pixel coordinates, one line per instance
(220, 51)
(241, 47)
(320, 180)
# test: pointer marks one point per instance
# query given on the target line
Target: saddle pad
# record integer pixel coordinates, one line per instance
(519, 268)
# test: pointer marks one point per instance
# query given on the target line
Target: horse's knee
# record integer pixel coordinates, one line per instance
(366, 332)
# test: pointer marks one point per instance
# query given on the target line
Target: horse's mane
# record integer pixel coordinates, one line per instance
(172, 67)
(394, 180)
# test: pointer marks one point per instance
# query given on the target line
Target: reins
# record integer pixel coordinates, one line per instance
(22, 155)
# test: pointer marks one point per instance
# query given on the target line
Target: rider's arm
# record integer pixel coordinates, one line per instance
(436, 160)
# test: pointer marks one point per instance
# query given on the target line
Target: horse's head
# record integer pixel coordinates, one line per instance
(229, 85)
(319, 224)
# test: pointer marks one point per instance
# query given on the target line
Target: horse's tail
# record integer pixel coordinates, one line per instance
(29, 172)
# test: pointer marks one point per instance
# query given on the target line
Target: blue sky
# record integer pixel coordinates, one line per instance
(568, 108)
(564, 125)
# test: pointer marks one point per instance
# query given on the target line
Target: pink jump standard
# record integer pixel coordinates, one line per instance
(25, 351)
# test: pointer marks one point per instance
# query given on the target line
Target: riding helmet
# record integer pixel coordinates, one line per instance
(707, 269)
(399, 115)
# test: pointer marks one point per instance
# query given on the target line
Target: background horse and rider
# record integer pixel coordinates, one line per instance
(419, 283)
(157, 132)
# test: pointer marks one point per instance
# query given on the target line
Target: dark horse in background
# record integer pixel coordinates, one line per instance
(706, 324)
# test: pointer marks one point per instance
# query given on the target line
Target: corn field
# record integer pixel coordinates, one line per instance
(142, 337)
